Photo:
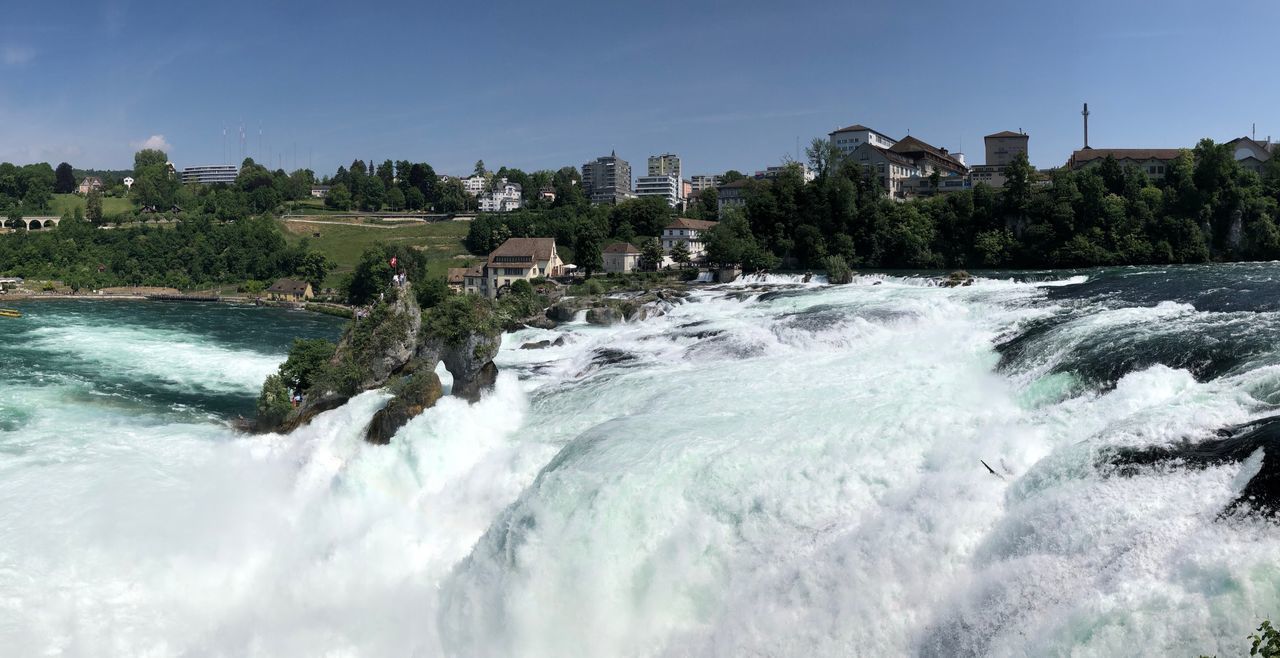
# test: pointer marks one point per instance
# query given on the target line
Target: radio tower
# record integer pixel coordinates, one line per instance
(1085, 114)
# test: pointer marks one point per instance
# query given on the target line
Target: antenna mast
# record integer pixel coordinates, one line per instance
(1085, 114)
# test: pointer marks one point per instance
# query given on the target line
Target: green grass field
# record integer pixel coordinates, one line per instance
(67, 203)
(441, 241)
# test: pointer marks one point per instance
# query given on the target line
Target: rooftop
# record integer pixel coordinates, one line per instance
(289, 286)
(857, 127)
(622, 248)
(695, 224)
(910, 144)
(538, 249)
(1006, 133)
(1088, 155)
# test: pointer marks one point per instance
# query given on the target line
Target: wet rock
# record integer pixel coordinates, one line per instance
(1255, 440)
(609, 356)
(540, 321)
(543, 344)
(956, 279)
(471, 364)
(603, 316)
(415, 395)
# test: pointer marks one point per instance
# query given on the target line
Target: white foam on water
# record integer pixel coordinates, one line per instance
(799, 475)
(178, 360)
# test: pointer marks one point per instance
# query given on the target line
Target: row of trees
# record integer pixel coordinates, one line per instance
(26, 190)
(195, 253)
(1206, 208)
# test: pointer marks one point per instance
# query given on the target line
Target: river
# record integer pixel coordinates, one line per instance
(773, 468)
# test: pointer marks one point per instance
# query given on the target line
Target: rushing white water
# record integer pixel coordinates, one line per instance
(799, 474)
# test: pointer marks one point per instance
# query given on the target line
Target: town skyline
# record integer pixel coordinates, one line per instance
(951, 77)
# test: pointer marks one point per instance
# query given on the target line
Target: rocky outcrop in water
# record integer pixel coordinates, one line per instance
(957, 279)
(1236, 445)
(398, 346)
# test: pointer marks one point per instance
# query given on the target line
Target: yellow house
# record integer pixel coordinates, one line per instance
(290, 290)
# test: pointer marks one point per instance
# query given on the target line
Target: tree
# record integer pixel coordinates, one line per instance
(680, 253)
(314, 268)
(732, 176)
(273, 402)
(480, 170)
(414, 199)
(371, 277)
(338, 198)
(586, 250)
(66, 179)
(646, 216)
(395, 199)
(307, 357)
(651, 254)
(93, 207)
(824, 157)
(154, 185)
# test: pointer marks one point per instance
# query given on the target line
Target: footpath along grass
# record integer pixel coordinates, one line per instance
(345, 242)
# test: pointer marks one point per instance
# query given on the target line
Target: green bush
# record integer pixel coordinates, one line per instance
(458, 317)
(307, 357)
(273, 402)
(838, 271)
(521, 288)
(588, 287)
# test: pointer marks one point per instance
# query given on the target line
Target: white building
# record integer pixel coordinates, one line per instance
(700, 182)
(771, 173)
(668, 187)
(518, 258)
(504, 197)
(210, 174)
(691, 233)
(621, 257)
(849, 138)
(475, 185)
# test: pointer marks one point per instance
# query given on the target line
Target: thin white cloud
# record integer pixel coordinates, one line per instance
(17, 55)
(153, 142)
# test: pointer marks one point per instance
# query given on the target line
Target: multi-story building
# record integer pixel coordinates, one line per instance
(621, 257)
(690, 232)
(89, 184)
(517, 258)
(849, 138)
(770, 173)
(667, 164)
(700, 182)
(475, 185)
(1003, 147)
(607, 179)
(929, 158)
(504, 196)
(1252, 154)
(210, 174)
(666, 186)
(886, 166)
(731, 195)
(1152, 162)
(914, 186)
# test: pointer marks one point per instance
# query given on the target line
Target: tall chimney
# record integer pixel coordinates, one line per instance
(1085, 114)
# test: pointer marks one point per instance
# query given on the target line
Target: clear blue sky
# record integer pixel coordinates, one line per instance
(546, 84)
